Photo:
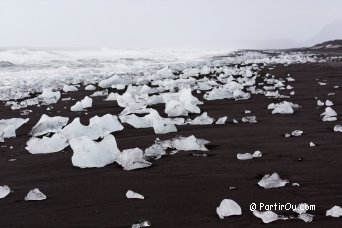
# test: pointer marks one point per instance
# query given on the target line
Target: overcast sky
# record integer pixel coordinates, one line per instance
(200, 24)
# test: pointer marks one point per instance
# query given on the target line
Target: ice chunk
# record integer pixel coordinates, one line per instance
(306, 217)
(245, 156)
(90, 87)
(87, 102)
(272, 181)
(4, 191)
(282, 108)
(338, 128)
(69, 88)
(329, 114)
(48, 124)
(9, 126)
(76, 129)
(107, 83)
(134, 195)
(249, 119)
(335, 211)
(227, 208)
(91, 154)
(185, 143)
(268, 216)
(141, 224)
(112, 97)
(328, 103)
(296, 133)
(35, 194)
(108, 123)
(46, 145)
(257, 154)
(222, 120)
(320, 103)
(203, 119)
(49, 97)
(154, 152)
(132, 159)
(312, 144)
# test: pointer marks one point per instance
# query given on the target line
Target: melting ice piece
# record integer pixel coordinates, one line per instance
(4, 191)
(312, 144)
(268, 216)
(329, 114)
(134, 195)
(222, 120)
(247, 156)
(91, 154)
(272, 181)
(154, 152)
(132, 159)
(338, 128)
(90, 87)
(9, 126)
(335, 211)
(227, 208)
(249, 119)
(87, 102)
(141, 224)
(203, 119)
(297, 133)
(49, 97)
(69, 88)
(282, 108)
(306, 217)
(35, 194)
(48, 124)
(185, 143)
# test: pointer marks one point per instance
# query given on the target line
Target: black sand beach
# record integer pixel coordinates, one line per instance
(182, 190)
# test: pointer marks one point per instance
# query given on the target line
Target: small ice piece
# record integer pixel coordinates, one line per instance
(287, 135)
(131, 159)
(328, 103)
(335, 211)
(90, 87)
(249, 119)
(329, 115)
(235, 121)
(257, 154)
(320, 103)
(312, 144)
(87, 102)
(222, 120)
(282, 108)
(154, 152)
(292, 93)
(338, 128)
(268, 216)
(295, 184)
(4, 191)
(9, 126)
(297, 133)
(35, 194)
(48, 124)
(272, 181)
(203, 119)
(306, 217)
(134, 195)
(289, 87)
(141, 224)
(186, 143)
(322, 83)
(91, 154)
(227, 208)
(245, 156)
(69, 88)
(49, 97)
(112, 97)
(247, 111)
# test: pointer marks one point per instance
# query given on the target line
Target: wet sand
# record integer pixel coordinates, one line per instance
(182, 190)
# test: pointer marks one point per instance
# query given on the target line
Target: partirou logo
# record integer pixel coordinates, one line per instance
(281, 207)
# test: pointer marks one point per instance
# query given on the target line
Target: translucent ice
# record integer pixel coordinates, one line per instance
(272, 181)
(35, 195)
(48, 124)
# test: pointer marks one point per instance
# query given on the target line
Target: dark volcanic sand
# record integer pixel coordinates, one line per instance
(182, 190)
